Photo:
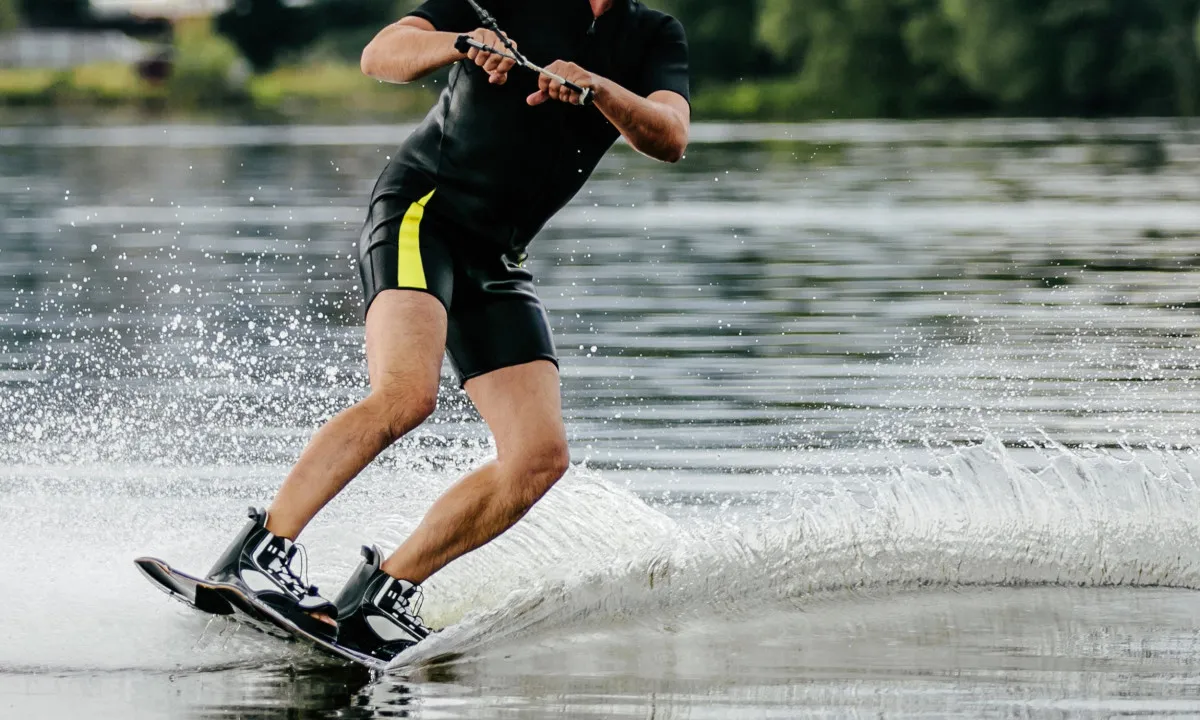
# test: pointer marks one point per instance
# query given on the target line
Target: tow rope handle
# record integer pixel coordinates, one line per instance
(464, 43)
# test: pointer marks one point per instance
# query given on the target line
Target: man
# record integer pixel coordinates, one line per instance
(442, 257)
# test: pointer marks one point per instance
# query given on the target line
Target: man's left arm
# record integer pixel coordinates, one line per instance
(657, 125)
(653, 113)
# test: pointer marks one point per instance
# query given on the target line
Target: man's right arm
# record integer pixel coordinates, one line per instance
(412, 48)
(408, 50)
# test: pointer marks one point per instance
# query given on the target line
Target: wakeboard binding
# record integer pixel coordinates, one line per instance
(377, 614)
(263, 566)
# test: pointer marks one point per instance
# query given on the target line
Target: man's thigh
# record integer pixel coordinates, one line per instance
(522, 405)
(406, 337)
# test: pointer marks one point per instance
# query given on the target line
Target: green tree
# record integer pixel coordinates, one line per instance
(998, 51)
(9, 18)
(793, 59)
(1178, 56)
(1079, 57)
(722, 38)
(55, 13)
(864, 57)
(267, 30)
(845, 52)
(931, 43)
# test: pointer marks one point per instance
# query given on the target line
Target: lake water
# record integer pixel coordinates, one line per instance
(866, 418)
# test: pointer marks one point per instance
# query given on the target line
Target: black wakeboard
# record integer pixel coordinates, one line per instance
(219, 598)
(199, 594)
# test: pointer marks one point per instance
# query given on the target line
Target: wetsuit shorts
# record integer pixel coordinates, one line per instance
(495, 318)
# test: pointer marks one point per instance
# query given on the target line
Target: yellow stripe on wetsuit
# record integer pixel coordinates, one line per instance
(411, 271)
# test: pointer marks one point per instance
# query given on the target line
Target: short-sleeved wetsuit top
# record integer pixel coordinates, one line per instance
(504, 167)
(455, 208)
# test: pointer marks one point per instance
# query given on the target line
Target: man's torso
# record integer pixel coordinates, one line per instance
(502, 168)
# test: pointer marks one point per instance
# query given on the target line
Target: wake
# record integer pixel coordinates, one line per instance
(592, 554)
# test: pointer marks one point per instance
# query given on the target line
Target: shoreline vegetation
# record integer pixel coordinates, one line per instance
(209, 76)
(760, 60)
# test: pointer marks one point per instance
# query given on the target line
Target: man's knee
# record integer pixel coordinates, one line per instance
(532, 473)
(400, 411)
(545, 464)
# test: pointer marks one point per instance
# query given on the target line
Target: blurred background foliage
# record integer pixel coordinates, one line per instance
(921, 58)
(759, 59)
(8, 15)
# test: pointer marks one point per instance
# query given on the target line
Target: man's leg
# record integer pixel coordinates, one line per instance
(523, 408)
(406, 337)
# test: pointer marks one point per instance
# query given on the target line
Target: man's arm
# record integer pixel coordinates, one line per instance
(408, 50)
(411, 49)
(657, 126)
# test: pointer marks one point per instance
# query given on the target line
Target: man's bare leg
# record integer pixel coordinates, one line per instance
(406, 337)
(523, 408)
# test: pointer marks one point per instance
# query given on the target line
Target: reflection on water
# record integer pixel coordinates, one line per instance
(810, 287)
(927, 654)
(786, 310)
(790, 289)
(1086, 653)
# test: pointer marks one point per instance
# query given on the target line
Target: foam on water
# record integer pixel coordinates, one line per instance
(1090, 519)
(592, 554)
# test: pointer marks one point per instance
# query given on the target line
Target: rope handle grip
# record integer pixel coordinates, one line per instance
(464, 43)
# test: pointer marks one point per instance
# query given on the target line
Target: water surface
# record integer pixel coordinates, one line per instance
(867, 417)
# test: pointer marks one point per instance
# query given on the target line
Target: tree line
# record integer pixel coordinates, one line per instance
(790, 59)
(922, 58)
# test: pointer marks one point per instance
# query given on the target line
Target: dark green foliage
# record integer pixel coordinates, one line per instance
(905, 58)
(723, 37)
(1078, 57)
(866, 58)
(859, 58)
(8, 15)
(265, 30)
(55, 13)
(792, 59)
(79, 15)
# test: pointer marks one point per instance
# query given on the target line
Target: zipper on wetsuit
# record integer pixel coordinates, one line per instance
(584, 47)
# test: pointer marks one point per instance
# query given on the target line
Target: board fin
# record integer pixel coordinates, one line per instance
(218, 598)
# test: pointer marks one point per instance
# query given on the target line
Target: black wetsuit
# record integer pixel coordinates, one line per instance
(454, 210)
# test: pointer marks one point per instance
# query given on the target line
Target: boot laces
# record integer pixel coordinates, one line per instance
(415, 601)
(295, 582)
(408, 609)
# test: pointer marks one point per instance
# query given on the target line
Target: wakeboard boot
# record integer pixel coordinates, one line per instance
(261, 564)
(378, 614)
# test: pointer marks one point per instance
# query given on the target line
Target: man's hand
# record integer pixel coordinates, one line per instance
(549, 89)
(496, 67)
